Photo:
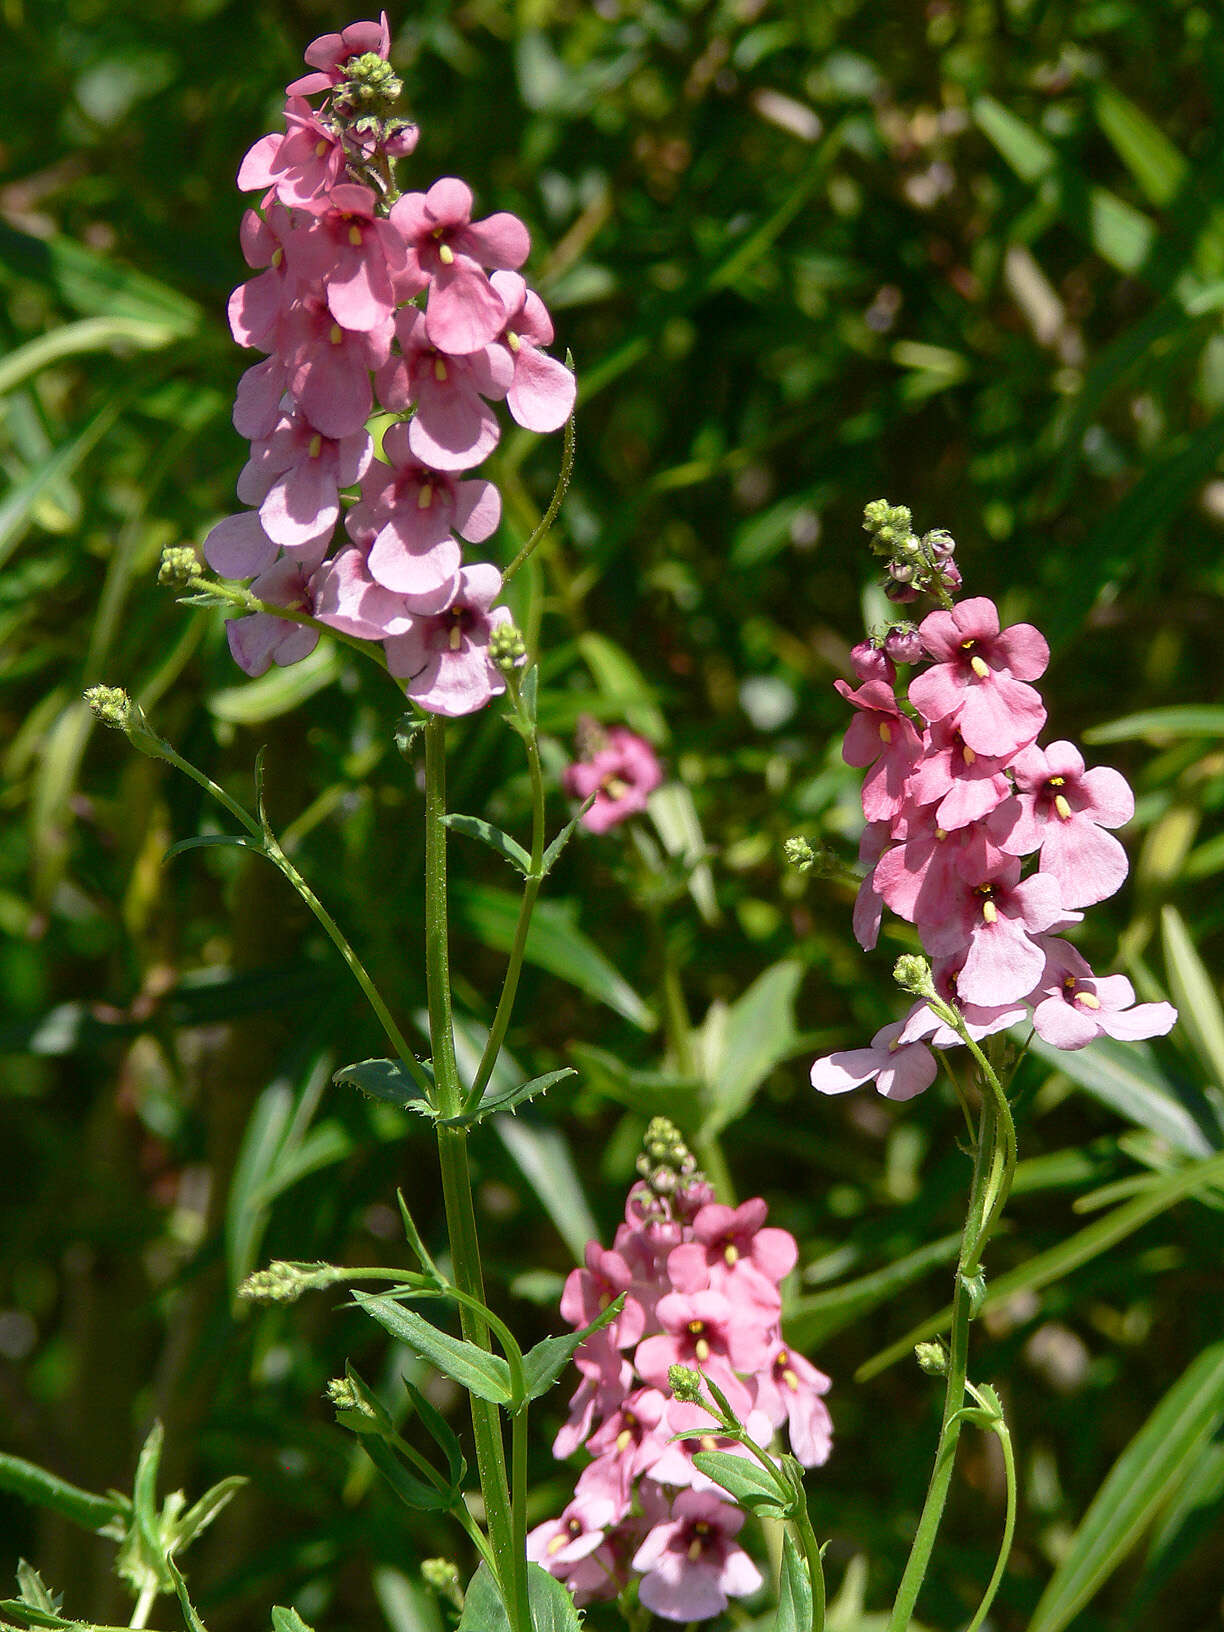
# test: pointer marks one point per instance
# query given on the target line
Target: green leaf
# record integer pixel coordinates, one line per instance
(651, 1093)
(473, 827)
(202, 1513)
(747, 1483)
(622, 684)
(440, 1431)
(214, 841)
(17, 507)
(1158, 168)
(794, 1591)
(744, 1043)
(383, 1079)
(1126, 1077)
(552, 1605)
(35, 1484)
(554, 943)
(72, 339)
(812, 1318)
(485, 1375)
(1194, 993)
(674, 814)
(323, 1146)
(35, 1594)
(548, 861)
(190, 1615)
(96, 284)
(507, 1098)
(288, 1620)
(543, 1364)
(413, 1492)
(1140, 1483)
(279, 691)
(1160, 724)
(145, 1508)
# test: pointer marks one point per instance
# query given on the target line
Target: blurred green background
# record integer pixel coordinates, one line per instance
(968, 256)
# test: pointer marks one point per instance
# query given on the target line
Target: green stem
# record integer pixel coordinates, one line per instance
(511, 1570)
(815, 1566)
(1009, 1528)
(144, 1606)
(550, 515)
(518, 947)
(244, 603)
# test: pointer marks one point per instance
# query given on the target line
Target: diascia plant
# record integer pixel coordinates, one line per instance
(376, 305)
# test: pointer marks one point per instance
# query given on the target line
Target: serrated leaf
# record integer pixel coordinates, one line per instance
(747, 1483)
(1137, 1487)
(190, 1615)
(288, 1620)
(543, 1364)
(794, 1591)
(485, 1375)
(35, 1594)
(507, 1098)
(383, 1079)
(474, 827)
(551, 1604)
(214, 841)
(36, 1485)
(753, 1036)
(562, 839)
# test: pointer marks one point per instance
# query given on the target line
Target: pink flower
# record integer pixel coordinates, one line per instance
(707, 1332)
(962, 785)
(445, 659)
(348, 599)
(998, 916)
(880, 736)
(330, 53)
(899, 1070)
(871, 662)
(238, 547)
(453, 427)
(791, 1393)
(329, 366)
(589, 1291)
(258, 641)
(542, 391)
(621, 772)
(691, 1565)
(1062, 809)
(1074, 1005)
(446, 251)
(978, 677)
(731, 1253)
(559, 1543)
(295, 476)
(350, 252)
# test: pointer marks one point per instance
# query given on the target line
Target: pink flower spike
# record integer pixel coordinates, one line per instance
(1073, 1006)
(691, 1565)
(978, 677)
(1063, 810)
(445, 658)
(899, 1070)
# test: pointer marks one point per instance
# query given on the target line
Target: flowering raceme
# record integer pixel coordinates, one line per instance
(958, 799)
(366, 299)
(701, 1285)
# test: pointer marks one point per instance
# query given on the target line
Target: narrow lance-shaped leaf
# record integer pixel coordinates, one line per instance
(794, 1592)
(474, 827)
(506, 1099)
(485, 1375)
(543, 1364)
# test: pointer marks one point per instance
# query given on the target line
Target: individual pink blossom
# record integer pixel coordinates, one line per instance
(676, 1466)
(978, 678)
(962, 785)
(238, 546)
(258, 308)
(295, 476)
(881, 737)
(899, 1070)
(731, 1250)
(350, 252)
(590, 1290)
(330, 54)
(445, 659)
(328, 366)
(981, 1019)
(621, 772)
(559, 1543)
(791, 1392)
(998, 916)
(446, 253)
(301, 166)
(1063, 810)
(542, 390)
(453, 427)
(919, 877)
(706, 1331)
(627, 1444)
(347, 598)
(262, 639)
(692, 1564)
(1073, 1005)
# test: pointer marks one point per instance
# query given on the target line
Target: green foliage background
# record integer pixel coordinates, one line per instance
(966, 255)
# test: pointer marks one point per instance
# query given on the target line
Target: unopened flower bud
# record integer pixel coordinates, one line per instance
(344, 1396)
(685, 1384)
(933, 1358)
(903, 644)
(372, 85)
(799, 853)
(507, 649)
(900, 592)
(939, 543)
(111, 705)
(284, 1282)
(901, 572)
(950, 577)
(179, 565)
(912, 973)
(441, 1575)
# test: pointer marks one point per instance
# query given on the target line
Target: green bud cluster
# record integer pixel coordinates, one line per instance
(110, 705)
(284, 1282)
(179, 565)
(507, 648)
(912, 973)
(666, 1162)
(685, 1384)
(372, 86)
(345, 1397)
(913, 563)
(441, 1575)
(933, 1358)
(799, 853)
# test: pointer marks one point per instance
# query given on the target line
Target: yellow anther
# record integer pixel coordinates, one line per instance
(278, 256)
(439, 369)
(701, 1349)
(968, 755)
(940, 834)
(1062, 807)
(707, 1442)
(336, 335)
(445, 254)
(321, 148)
(512, 340)
(456, 637)
(316, 446)
(990, 912)
(979, 667)
(425, 496)
(731, 1253)
(556, 1544)
(1088, 1000)
(614, 787)
(885, 731)
(791, 1381)
(694, 1550)
(624, 1439)
(354, 234)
